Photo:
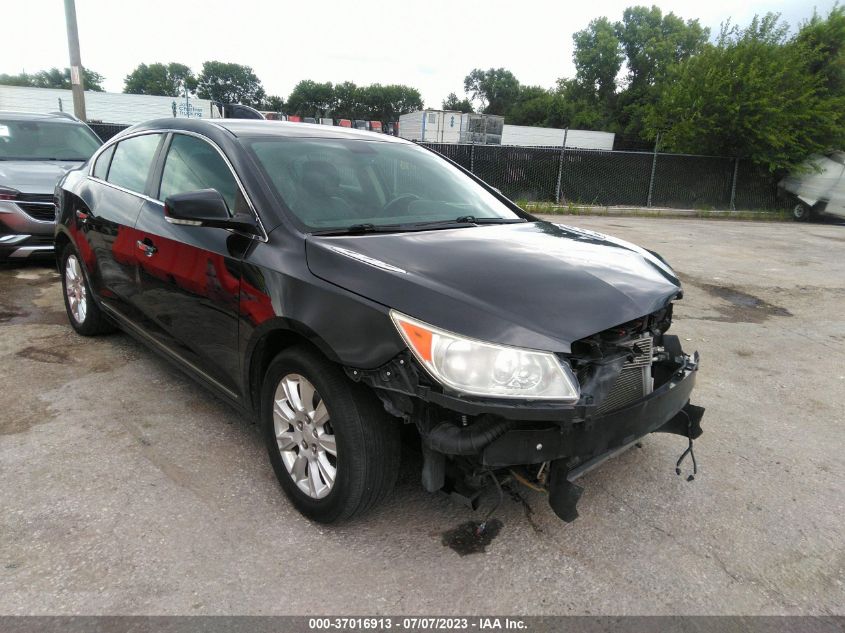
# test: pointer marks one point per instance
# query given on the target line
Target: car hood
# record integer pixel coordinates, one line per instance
(34, 176)
(536, 284)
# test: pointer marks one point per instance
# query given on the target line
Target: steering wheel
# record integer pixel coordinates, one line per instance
(406, 198)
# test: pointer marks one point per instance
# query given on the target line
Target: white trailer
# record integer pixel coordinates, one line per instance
(554, 137)
(481, 129)
(108, 107)
(433, 126)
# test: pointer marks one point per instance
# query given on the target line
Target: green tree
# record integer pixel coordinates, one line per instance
(386, 103)
(654, 44)
(598, 57)
(753, 94)
(229, 83)
(496, 89)
(21, 79)
(825, 37)
(451, 102)
(310, 98)
(575, 106)
(273, 103)
(54, 78)
(347, 102)
(590, 99)
(171, 80)
(532, 106)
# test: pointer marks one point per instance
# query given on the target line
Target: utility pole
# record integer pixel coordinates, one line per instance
(77, 83)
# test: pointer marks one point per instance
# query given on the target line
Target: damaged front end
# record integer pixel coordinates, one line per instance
(634, 380)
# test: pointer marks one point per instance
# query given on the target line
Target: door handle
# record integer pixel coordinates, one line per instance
(146, 247)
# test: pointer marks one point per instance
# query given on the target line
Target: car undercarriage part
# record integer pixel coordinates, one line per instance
(525, 481)
(467, 440)
(483, 525)
(563, 494)
(691, 414)
(634, 378)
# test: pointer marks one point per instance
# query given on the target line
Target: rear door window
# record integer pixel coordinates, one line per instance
(101, 167)
(130, 165)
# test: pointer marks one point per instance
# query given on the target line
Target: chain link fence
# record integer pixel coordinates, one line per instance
(605, 177)
(106, 130)
(618, 177)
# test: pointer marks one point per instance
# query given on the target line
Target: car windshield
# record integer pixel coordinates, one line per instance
(342, 184)
(46, 140)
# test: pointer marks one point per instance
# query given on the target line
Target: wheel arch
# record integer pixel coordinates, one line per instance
(269, 341)
(61, 241)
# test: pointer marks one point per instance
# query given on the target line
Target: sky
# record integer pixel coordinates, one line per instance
(428, 44)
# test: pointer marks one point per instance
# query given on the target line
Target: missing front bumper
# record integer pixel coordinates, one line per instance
(574, 449)
(595, 436)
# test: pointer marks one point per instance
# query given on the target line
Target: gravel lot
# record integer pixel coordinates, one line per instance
(126, 488)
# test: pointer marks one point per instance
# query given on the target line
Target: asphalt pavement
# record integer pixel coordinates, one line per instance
(128, 489)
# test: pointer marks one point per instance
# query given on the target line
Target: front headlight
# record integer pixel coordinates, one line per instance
(484, 369)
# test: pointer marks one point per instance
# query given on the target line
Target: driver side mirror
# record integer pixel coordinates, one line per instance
(207, 207)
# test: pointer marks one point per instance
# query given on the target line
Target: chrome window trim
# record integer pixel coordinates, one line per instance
(111, 143)
(263, 237)
(125, 190)
(114, 141)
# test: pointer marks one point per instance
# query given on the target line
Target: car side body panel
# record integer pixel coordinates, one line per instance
(188, 284)
(280, 294)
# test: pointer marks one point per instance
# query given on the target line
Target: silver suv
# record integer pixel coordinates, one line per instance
(35, 151)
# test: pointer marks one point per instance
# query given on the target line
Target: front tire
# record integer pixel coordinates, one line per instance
(83, 312)
(801, 212)
(334, 449)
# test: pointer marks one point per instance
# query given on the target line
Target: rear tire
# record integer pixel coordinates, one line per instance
(333, 447)
(83, 312)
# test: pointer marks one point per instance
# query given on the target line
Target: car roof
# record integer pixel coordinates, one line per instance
(38, 116)
(266, 128)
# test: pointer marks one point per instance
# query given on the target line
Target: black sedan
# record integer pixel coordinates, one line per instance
(336, 284)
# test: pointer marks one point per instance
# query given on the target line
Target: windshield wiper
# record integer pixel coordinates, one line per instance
(469, 220)
(357, 229)
(457, 223)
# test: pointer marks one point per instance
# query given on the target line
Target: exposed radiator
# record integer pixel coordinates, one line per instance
(635, 380)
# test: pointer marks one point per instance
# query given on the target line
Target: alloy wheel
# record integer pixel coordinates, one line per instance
(304, 435)
(77, 298)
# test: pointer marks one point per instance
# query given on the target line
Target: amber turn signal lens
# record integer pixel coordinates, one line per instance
(419, 338)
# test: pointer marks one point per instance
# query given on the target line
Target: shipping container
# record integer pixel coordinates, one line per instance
(433, 126)
(554, 137)
(294, 118)
(375, 126)
(325, 121)
(345, 123)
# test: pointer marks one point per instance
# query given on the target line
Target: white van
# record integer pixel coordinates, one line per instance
(819, 188)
